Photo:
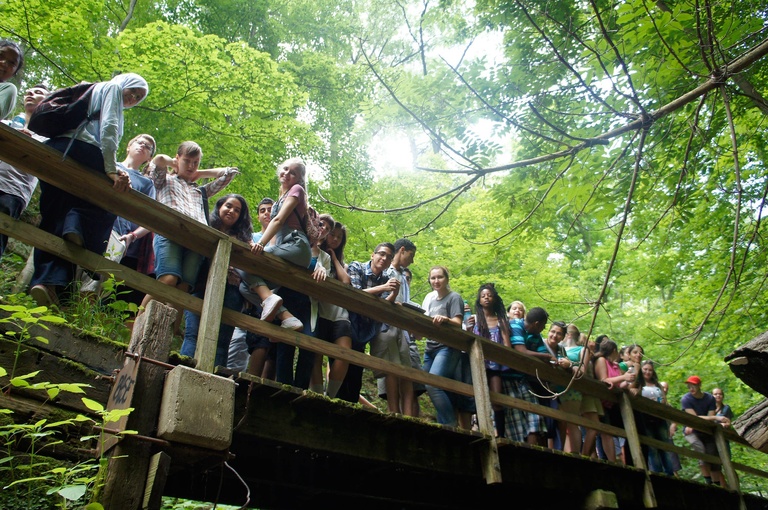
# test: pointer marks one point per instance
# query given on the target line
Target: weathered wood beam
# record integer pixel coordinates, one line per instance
(210, 319)
(752, 425)
(129, 461)
(750, 363)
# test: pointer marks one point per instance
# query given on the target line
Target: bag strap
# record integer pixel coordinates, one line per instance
(302, 223)
(205, 205)
(79, 130)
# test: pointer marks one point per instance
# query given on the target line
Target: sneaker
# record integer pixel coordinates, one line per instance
(270, 306)
(292, 323)
(44, 295)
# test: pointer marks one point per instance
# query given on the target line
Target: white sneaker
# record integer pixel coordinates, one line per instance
(292, 323)
(270, 306)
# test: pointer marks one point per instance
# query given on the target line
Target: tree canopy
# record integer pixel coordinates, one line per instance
(621, 187)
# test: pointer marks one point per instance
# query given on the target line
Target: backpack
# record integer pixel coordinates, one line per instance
(310, 224)
(63, 110)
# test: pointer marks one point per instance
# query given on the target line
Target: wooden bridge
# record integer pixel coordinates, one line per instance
(292, 448)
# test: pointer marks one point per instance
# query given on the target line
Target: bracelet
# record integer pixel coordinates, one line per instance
(135, 237)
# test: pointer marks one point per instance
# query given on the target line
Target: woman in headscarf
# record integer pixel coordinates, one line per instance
(65, 215)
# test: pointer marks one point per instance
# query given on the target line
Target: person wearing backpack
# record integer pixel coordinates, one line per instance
(93, 144)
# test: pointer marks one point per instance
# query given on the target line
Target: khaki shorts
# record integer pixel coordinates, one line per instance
(391, 345)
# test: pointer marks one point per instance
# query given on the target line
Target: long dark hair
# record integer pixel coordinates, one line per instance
(243, 227)
(340, 250)
(639, 381)
(497, 307)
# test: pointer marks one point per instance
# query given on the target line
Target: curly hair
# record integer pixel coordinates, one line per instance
(497, 307)
(243, 227)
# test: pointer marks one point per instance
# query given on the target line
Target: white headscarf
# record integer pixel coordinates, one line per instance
(131, 81)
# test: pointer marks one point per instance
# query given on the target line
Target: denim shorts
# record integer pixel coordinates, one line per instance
(173, 259)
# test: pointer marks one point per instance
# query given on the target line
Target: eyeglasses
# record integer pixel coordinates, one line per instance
(384, 254)
(146, 145)
(136, 96)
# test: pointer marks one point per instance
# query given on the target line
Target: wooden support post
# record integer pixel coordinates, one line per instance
(129, 460)
(727, 466)
(491, 464)
(210, 319)
(159, 466)
(633, 440)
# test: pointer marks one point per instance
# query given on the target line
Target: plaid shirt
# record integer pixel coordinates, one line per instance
(186, 197)
(363, 278)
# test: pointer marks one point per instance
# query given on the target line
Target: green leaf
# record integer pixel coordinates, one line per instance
(73, 387)
(92, 405)
(19, 382)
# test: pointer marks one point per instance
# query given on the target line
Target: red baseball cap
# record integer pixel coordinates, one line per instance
(694, 379)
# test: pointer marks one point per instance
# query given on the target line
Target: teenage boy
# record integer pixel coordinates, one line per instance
(525, 426)
(392, 343)
(137, 240)
(371, 277)
(175, 265)
(702, 404)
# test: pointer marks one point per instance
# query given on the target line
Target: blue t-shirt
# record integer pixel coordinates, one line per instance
(122, 226)
(519, 336)
(701, 406)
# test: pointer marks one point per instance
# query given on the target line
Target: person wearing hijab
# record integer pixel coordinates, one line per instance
(72, 218)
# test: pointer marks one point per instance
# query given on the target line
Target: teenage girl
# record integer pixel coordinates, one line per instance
(231, 216)
(11, 62)
(445, 307)
(492, 323)
(608, 371)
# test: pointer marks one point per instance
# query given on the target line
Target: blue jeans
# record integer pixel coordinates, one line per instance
(298, 304)
(659, 461)
(13, 206)
(444, 362)
(232, 300)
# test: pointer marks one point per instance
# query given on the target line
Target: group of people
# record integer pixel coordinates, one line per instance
(285, 232)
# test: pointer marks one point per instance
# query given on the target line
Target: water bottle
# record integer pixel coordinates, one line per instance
(18, 122)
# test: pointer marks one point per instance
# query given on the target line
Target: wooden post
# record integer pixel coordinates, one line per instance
(159, 466)
(129, 461)
(633, 440)
(727, 465)
(210, 319)
(491, 464)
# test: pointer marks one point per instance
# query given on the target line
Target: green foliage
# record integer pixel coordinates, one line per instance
(21, 320)
(104, 314)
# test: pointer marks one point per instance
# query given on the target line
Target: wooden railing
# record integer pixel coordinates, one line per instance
(46, 163)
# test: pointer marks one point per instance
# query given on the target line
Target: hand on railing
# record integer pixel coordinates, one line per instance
(122, 182)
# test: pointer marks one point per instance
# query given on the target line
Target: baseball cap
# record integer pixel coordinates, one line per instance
(694, 379)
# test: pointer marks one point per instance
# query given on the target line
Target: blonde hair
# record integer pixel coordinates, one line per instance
(519, 304)
(300, 167)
